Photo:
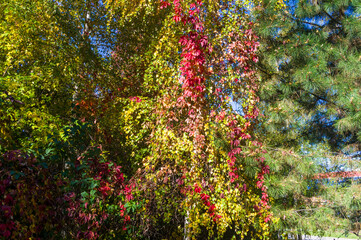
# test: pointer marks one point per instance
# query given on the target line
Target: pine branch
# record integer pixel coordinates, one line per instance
(333, 19)
(313, 94)
(302, 21)
(325, 99)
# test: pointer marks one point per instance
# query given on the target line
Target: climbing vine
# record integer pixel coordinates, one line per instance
(204, 174)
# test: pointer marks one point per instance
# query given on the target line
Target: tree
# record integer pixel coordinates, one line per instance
(309, 60)
(310, 69)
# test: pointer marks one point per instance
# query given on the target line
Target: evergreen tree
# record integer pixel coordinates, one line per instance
(311, 71)
(310, 68)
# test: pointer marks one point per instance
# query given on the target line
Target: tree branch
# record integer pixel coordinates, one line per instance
(331, 17)
(299, 20)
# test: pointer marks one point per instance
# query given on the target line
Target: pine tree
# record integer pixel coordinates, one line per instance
(310, 68)
(311, 71)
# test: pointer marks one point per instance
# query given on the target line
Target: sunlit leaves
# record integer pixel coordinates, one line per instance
(148, 86)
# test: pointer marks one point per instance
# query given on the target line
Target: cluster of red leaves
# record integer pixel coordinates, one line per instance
(31, 198)
(205, 199)
(35, 202)
(264, 203)
(86, 212)
(164, 4)
(240, 52)
(243, 52)
(237, 134)
(193, 69)
(91, 217)
(194, 48)
(264, 199)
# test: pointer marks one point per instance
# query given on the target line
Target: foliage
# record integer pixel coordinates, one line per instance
(188, 181)
(85, 199)
(309, 58)
(31, 202)
(117, 121)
